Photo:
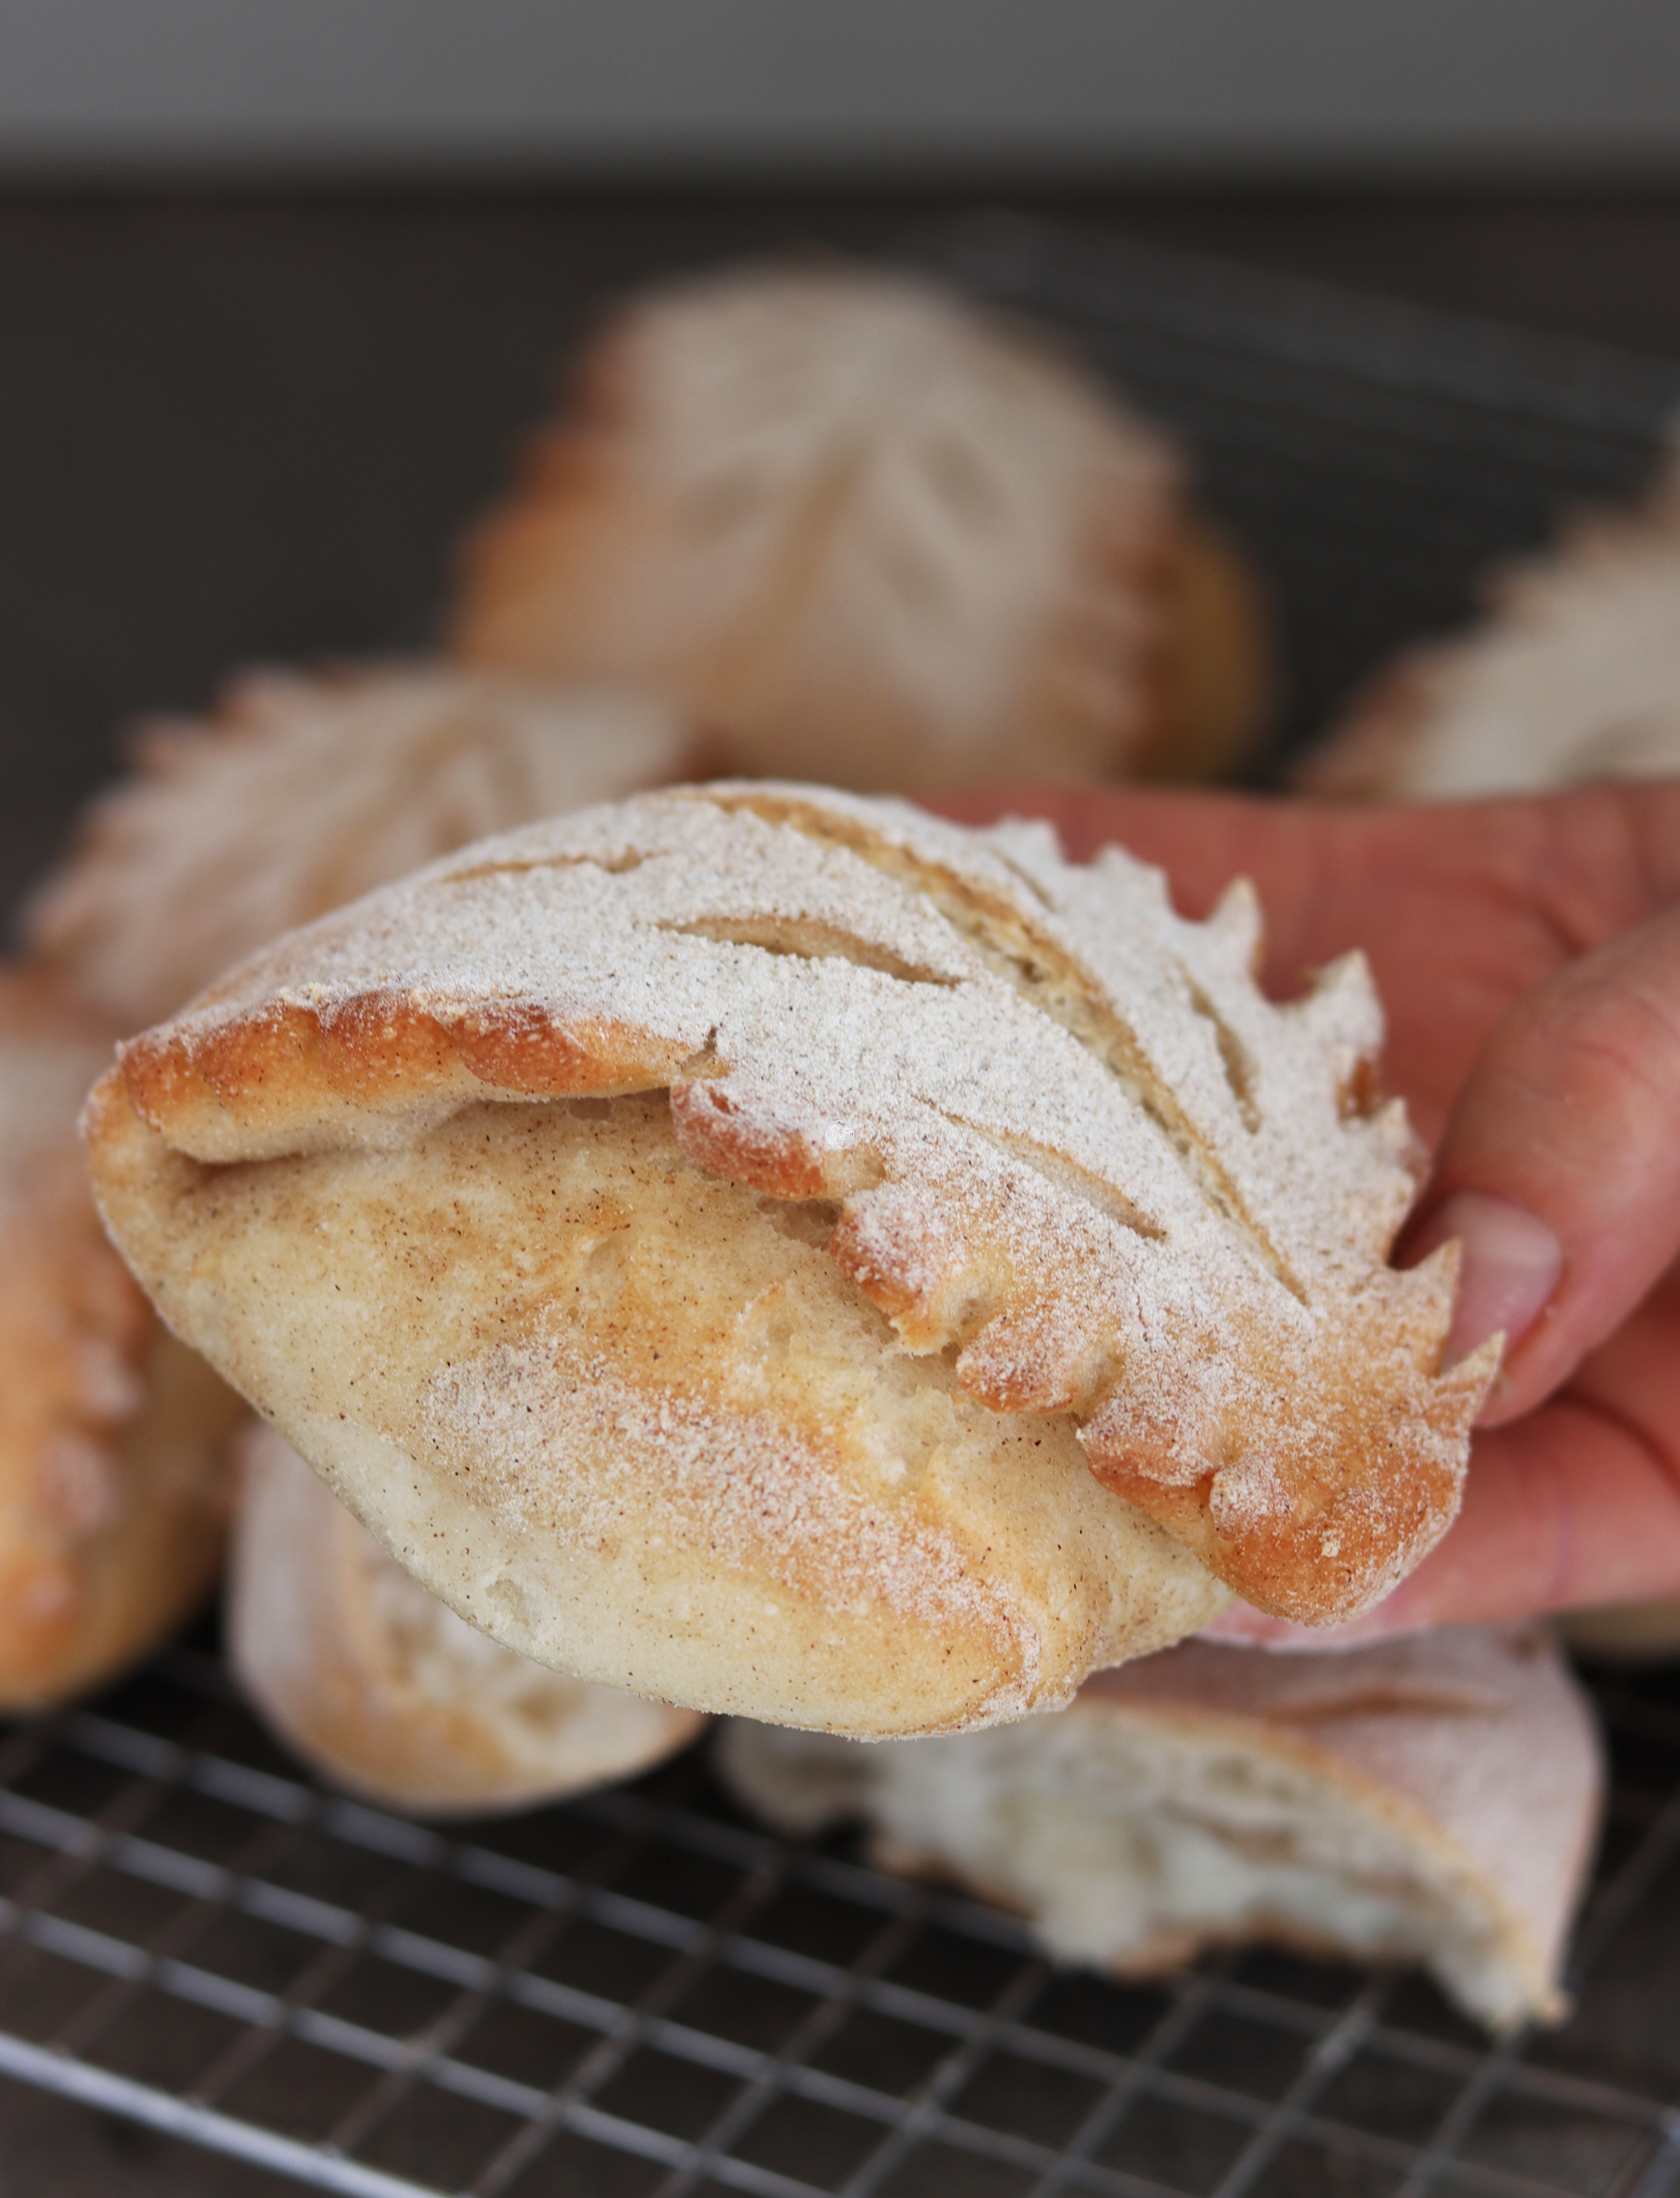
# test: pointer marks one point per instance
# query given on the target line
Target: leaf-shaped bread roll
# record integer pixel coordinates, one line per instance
(705, 1237)
(1574, 676)
(113, 1495)
(302, 791)
(858, 531)
(383, 1688)
(1435, 1799)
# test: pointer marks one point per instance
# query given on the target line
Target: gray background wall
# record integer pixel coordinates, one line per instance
(1405, 88)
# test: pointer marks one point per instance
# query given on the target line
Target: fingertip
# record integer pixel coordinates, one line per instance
(1511, 1262)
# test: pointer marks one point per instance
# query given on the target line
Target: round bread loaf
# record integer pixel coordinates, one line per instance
(858, 532)
(112, 1482)
(1575, 675)
(383, 1688)
(1434, 1799)
(708, 1239)
(302, 791)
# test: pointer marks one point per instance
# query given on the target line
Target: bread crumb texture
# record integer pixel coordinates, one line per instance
(1435, 1799)
(710, 1238)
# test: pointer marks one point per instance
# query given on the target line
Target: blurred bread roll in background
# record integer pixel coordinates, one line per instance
(743, 1244)
(302, 791)
(382, 1689)
(113, 1494)
(859, 532)
(1433, 1800)
(1574, 675)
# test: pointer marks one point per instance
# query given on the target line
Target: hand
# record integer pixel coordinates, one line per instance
(1528, 953)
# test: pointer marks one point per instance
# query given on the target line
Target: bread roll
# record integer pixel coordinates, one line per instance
(1434, 1799)
(384, 1690)
(112, 1487)
(1575, 675)
(708, 1239)
(301, 792)
(859, 533)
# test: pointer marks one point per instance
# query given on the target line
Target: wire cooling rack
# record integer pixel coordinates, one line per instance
(641, 1993)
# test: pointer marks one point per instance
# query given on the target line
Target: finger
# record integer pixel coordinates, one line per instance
(1559, 1172)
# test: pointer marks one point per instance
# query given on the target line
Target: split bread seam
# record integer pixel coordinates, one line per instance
(786, 1175)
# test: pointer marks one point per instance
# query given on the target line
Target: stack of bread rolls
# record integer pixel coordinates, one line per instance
(752, 1247)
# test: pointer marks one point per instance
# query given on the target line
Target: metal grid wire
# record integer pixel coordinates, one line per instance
(639, 1992)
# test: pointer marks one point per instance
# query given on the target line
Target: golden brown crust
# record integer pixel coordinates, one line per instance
(111, 1490)
(1072, 1145)
(860, 534)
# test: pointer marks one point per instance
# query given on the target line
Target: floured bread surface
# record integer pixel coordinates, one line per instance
(862, 534)
(1575, 677)
(954, 1169)
(111, 1468)
(383, 1688)
(1433, 1800)
(301, 793)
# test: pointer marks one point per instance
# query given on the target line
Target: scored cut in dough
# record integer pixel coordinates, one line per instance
(112, 1470)
(304, 791)
(383, 1688)
(861, 533)
(1434, 1799)
(708, 1238)
(1575, 675)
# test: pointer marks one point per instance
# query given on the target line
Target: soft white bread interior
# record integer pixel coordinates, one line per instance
(859, 532)
(301, 792)
(1432, 1800)
(1574, 676)
(383, 1688)
(112, 1467)
(714, 1241)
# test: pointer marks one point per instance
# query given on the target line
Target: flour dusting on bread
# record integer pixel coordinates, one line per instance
(858, 530)
(302, 791)
(1072, 1148)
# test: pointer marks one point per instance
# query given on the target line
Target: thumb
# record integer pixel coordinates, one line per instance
(1559, 1172)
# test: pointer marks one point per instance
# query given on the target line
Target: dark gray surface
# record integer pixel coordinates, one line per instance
(1398, 87)
(249, 428)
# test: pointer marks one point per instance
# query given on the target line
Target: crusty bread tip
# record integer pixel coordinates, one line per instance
(770, 1250)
